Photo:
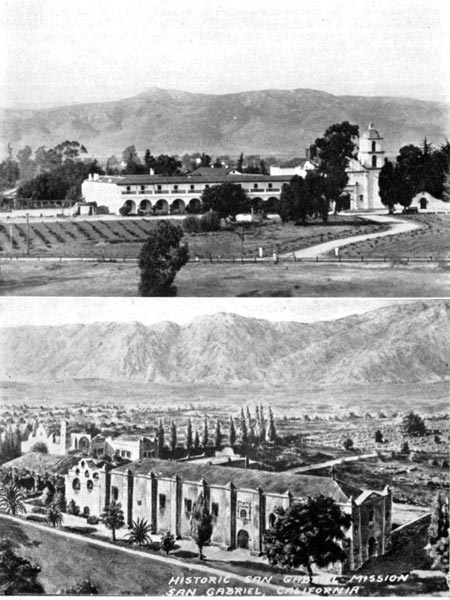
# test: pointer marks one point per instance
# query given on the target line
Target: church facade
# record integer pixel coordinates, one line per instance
(242, 502)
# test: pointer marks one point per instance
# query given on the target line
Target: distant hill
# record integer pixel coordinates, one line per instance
(269, 122)
(399, 344)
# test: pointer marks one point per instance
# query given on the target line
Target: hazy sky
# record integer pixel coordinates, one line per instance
(16, 311)
(60, 51)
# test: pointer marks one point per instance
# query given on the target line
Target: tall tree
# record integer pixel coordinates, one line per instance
(201, 524)
(240, 162)
(112, 517)
(306, 534)
(160, 259)
(160, 438)
(189, 437)
(334, 151)
(413, 424)
(232, 434)
(271, 430)
(286, 203)
(218, 436)
(205, 436)
(388, 183)
(243, 432)
(173, 437)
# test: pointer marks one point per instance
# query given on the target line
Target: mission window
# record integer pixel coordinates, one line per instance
(374, 146)
(374, 161)
(114, 493)
(175, 188)
(158, 187)
(187, 505)
(142, 188)
(269, 186)
(215, 509)
(191, 186)
(162, 502)
(243, 514)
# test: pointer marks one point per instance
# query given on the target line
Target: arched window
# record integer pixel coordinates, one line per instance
(243, 514)
(77, 471)
(374, 161)
(76, 484)
(86, 474)
(272, 519)
(90, 485)
(374, 146)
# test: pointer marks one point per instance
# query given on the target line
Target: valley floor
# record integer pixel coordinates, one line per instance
(77, 278)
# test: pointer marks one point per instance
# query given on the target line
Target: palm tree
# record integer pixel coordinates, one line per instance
(53, 515)
(139, 533)
(11, 498)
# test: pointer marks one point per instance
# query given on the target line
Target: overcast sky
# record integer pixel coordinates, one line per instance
(59, 51)
(16, 311)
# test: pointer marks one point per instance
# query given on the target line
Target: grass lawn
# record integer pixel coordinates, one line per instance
(220, 280)
(65, 562)
(124, 237)
(432, 239)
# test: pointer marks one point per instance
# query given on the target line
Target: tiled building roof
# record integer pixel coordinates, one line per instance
(300, 486)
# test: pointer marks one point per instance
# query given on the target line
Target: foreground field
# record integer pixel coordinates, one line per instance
(124, 237)
(431, 239)
(390, 279)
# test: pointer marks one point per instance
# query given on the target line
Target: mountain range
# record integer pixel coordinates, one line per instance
(267, 122)
(404, 343)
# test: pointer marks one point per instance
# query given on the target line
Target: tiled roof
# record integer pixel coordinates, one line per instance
(300, 486)
(212, 179)
(43, 463)
(293, 162)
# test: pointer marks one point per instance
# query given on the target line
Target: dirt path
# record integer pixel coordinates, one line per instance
(396, 226)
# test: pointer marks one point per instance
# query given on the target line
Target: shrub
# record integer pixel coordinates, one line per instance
(73, 508)
(191, 224)
(210, 221)
(40, 447)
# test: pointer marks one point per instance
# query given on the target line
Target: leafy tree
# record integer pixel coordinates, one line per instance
(413, 424)
(286, 203)
(446, 186)
(217, 163)
(300, 206)
(404, 449)
(227, 200)
(112, 517)
(210, 221)
(53, 514)
(378, 437)
(83, 588)
(348, 444)
(160, 259)
(11, 498)
(205, 160)
(307, 533)
(73, 508)
(40, 447)
(139, 533)
(192, 224)
(18, 576)
(25, 163)
(167, 543)
(334, 151)
(438, 540)
(201, 524)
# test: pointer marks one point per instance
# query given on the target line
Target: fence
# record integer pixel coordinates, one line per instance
(403, 260)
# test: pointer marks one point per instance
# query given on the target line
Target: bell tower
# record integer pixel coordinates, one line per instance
(371, 152)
